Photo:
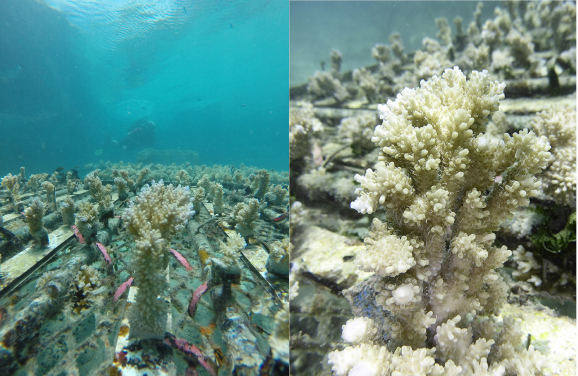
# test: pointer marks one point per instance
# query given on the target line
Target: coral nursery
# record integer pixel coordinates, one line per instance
(433, 202)
(148, 268)
(144, 188)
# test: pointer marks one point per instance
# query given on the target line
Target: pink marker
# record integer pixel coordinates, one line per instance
(78, 234)
(182, 260)
(184, 346)
(122, 288)
(196, 296)
(104, 252)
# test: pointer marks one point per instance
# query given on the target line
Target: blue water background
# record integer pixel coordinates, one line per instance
(354, 27)
(74, 75)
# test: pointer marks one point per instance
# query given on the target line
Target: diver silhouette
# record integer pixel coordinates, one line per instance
(140, 136)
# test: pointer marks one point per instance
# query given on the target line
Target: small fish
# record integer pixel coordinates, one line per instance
(78, 234)
(58, 169)
(196, 296)
(281, 217)
(122, 288)
(104, 252)
(182, 260)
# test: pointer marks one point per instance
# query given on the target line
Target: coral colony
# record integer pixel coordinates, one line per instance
(458, 169)
(435, 261)
(160, 212)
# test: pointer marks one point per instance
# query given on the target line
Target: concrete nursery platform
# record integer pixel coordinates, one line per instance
(33, 257)
(18, 267)
(50, 324)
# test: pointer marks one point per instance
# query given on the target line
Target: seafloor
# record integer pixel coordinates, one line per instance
(59, 313)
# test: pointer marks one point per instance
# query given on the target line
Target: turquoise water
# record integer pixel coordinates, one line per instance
(212, 76)
(354, 27)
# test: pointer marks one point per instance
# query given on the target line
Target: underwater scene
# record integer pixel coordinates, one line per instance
(144, 196)
(433, 188)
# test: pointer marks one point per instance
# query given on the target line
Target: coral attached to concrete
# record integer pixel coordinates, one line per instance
(245, 215)
(87, 220)
(159, 213)
(33, 214)
(278, 260)
(100, 192)
(12, 185)
(230, 250)
(67, 211)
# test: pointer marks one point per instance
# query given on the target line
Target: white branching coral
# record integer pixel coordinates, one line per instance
(357, 130)
(33, 217)
(261, 184)
(277, 195)
(159, 213)
(558, 124)
(67, 211)
(50, 196)
(122, 188)
(182, 177)
(376, 258)
(147, 315)
(323, 85)
(434, 260)
(101, 193)
(159, 207)
(230, 250)
(218, 203)
(87, 220)
(87, 279)
(527, 267)
(245, 215)
(302, 126)
(10, 182)
(278, 260)
(199, 198)
(431, 60)
(367, 82)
